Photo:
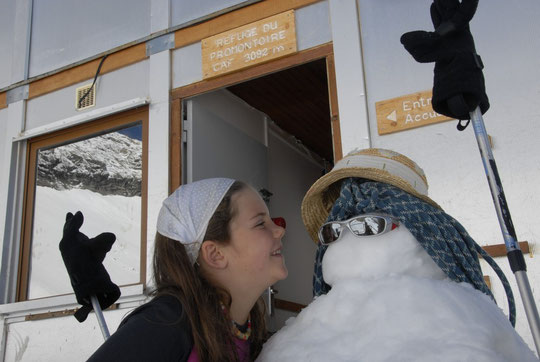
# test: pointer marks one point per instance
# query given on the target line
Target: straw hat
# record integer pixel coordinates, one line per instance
(373, 164)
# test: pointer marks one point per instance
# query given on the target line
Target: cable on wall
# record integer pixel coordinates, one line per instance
(94, 82)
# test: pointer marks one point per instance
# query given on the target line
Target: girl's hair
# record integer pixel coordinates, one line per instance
(175, 275)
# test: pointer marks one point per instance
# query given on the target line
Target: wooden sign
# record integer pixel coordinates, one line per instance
(405, 112)
(248, 45)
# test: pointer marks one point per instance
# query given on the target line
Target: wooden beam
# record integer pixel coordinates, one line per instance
(288, 306)
(254, 72)
(175, 145)
(60, 313)
(334, 110)
(500, 249)
(88, 70)
(3, 100)
(26, 224)
(235, 19)
(143, 115)
(487, 280)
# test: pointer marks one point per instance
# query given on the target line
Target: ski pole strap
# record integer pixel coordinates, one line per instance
(504, 281)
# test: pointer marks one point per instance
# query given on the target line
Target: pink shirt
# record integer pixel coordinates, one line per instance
(242, 347)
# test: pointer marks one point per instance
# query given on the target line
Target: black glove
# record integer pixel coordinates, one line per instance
(83, 258)
(458, 86)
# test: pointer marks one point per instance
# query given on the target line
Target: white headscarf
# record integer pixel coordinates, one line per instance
(185, 214)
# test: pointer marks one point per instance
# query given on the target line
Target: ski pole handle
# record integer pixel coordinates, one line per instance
(99, 316)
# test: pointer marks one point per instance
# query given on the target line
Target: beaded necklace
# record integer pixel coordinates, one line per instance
(235, 330)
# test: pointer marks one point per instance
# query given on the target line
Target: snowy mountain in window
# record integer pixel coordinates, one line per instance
(110, 164)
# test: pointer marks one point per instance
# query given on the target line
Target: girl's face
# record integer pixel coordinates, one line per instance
(254, 250)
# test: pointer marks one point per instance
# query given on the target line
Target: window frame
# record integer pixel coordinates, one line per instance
(69, 135)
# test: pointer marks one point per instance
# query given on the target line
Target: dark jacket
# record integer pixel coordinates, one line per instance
(155, 331)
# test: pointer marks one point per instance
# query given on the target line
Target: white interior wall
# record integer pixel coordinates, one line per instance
(236, 112)
(450, 158)
(291, 173)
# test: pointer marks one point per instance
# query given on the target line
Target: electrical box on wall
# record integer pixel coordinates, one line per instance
(85, 97)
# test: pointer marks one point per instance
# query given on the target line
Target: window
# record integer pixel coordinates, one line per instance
(98, 168)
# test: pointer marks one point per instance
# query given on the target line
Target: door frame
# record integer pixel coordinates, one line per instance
(324, 51)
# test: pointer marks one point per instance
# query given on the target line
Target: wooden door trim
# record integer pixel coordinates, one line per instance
(204, 86)
(175, 148)
(334, 109)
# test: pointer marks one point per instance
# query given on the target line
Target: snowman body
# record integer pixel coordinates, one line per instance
(390, 302)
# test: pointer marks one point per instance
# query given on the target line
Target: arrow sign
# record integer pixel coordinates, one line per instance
(392, 116)
(406, 112)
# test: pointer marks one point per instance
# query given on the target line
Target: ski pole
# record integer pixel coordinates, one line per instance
(99, 316)
(514, 253)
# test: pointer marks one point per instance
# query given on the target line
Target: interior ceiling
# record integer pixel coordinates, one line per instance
(296, 99)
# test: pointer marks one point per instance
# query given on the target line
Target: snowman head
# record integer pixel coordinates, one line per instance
(367, 165)
(372, 180)
(373, 246)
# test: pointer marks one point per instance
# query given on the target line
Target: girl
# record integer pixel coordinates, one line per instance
(216, 251)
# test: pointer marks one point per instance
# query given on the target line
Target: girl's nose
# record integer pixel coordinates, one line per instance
(279, 222)
(278, 231)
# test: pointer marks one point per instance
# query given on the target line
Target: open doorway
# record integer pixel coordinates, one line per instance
(297, 100)
(276, 131)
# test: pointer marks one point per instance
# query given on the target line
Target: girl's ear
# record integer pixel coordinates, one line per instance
(212, 254)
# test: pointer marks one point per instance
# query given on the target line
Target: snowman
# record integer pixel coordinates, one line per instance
(396, 278)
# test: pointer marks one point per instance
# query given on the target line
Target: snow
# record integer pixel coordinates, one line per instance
(390, 302)
(114, 213)
(395, 252)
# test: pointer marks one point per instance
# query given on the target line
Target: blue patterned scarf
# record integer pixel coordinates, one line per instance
(443, 237)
